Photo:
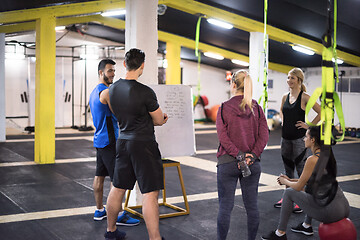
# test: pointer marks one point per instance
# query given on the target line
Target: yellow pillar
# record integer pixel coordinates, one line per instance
(45, 90)
(173, 70)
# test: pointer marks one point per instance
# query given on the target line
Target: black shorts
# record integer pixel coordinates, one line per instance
(105, 161)
(141, 161)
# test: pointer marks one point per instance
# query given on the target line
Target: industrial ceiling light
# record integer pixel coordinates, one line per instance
(114, 13)
(220, 23)
(303, 50)
(339, 61)
(238, 62)
(213, 55)
(60, 28)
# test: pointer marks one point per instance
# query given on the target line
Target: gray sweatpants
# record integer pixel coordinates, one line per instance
(338, 209)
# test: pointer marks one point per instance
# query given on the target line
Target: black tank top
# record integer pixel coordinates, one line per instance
(291, 114)
(310, 182)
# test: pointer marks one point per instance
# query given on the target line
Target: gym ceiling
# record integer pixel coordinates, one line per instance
(290, 22)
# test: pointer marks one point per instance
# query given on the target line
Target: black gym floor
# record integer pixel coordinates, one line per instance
(56, 201)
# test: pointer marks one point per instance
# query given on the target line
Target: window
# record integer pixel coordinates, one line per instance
(355, 85)
(270, 83)
(343, 85)
(348, 85)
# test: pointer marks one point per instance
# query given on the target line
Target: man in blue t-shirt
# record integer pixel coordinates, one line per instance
(138, 157)
(105, 136)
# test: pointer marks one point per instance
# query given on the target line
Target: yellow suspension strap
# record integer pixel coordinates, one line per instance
(329, 101)
(198, 55)
(329, 98)
(265, 93)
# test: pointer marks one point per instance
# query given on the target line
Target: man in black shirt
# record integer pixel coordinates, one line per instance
(138, 157)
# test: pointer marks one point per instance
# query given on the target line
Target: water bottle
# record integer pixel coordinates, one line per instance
(245, 170)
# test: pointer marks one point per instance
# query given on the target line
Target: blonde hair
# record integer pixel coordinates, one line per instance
(300, 75)
(243, 83)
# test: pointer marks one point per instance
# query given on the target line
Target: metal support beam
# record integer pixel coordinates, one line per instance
(115, 23)
(73, 9)
(249, 25)
(18, 27)
(45, 90)
(188, 6)
(163, 36)
(107, 21)
(185, 42)
(173, 70)
(30, 26)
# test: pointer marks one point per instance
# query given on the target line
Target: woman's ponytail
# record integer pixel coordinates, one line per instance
(248, 90)
(303, 88)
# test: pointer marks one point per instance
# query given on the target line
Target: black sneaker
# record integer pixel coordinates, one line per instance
(278, 204)
(300, 229)
(117, 235)
(297, 209)
(273, 236)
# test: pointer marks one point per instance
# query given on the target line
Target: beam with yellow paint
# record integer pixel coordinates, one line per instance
(45, 90)
(188, 6)
(18, 27)
(73, 9)
(106, 21)
(185, 42)
(163, 36)
(30, 26)
(249, 25)
(173, 70)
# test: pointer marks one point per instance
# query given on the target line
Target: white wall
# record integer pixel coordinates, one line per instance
(313, 81)
(280, 87)
(214, 86)
(213, 83)
(349, 100)
(20, 78)
(16, 84)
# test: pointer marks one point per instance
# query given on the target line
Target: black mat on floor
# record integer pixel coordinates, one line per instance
(64, 149)
(28, 189)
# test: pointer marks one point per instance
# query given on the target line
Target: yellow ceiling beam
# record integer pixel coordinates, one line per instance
(280, 67)
(250, 25)
(189, 6)
(163, 36)
(110, 22)
(30, 26)
(61, 10)
(107, 21)
(18, 27)
(188, 43)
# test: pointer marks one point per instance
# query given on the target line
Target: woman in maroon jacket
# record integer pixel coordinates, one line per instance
(243, 134)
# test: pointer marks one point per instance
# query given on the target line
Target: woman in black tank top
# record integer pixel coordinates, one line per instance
(292, 112)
